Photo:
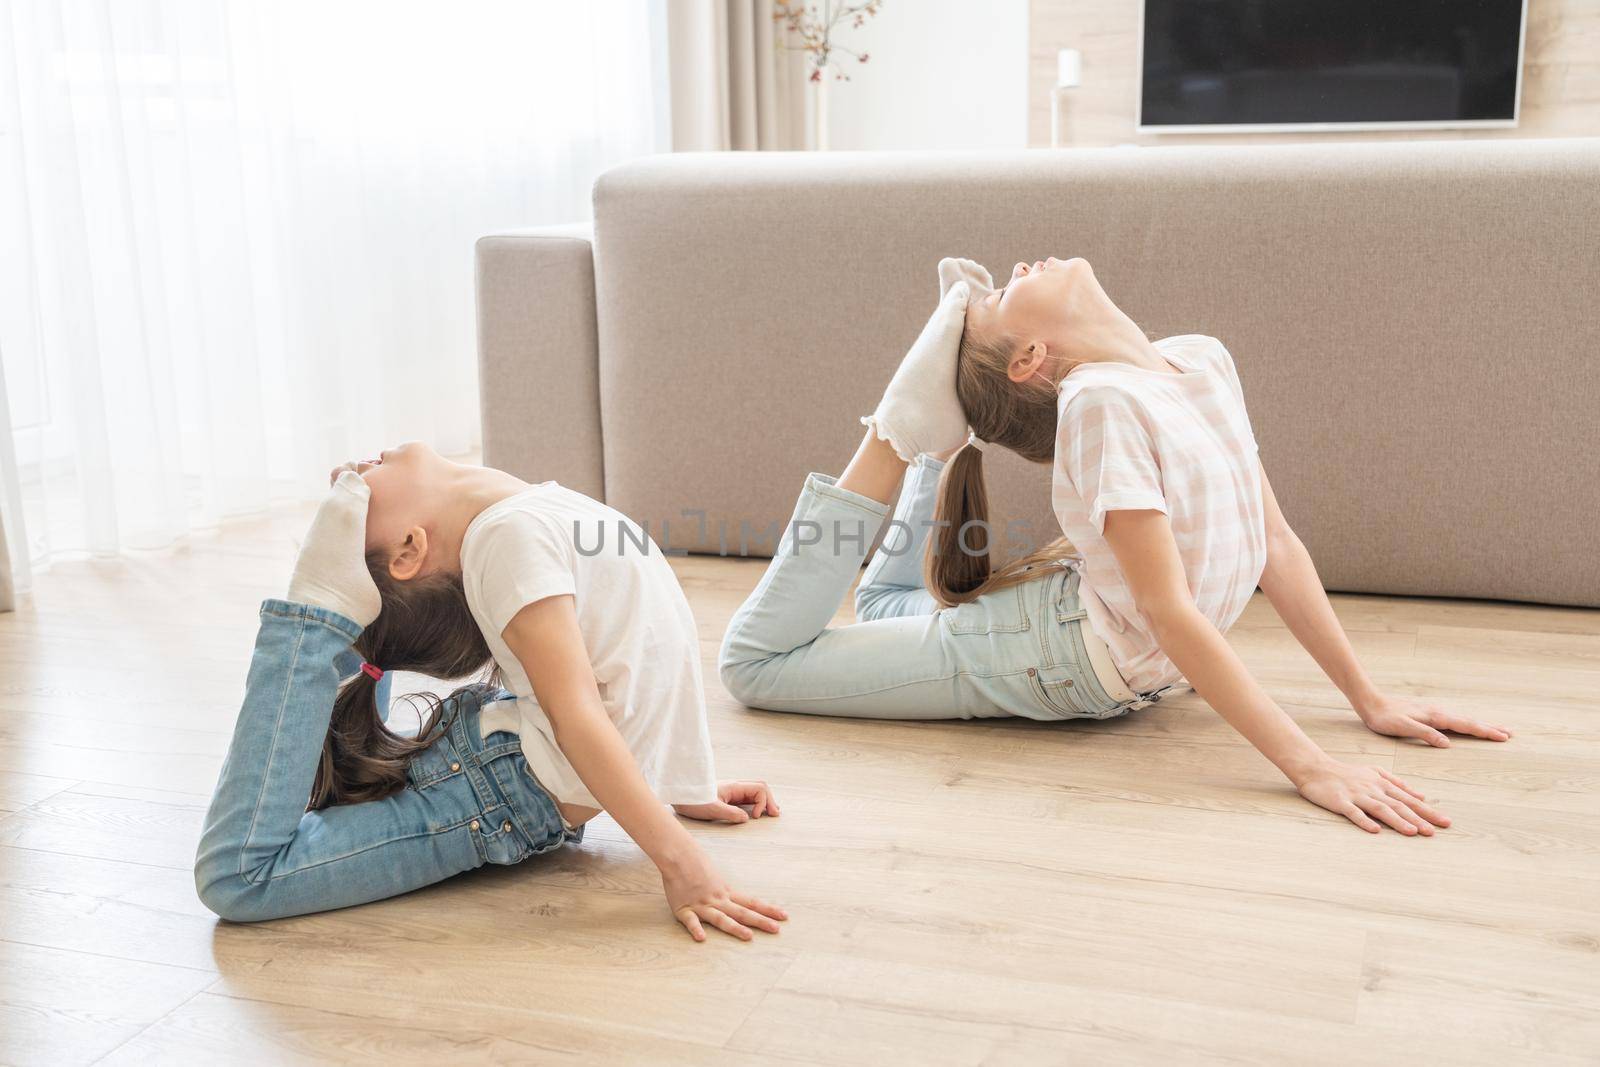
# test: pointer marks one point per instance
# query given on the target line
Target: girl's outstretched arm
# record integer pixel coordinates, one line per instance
(1292, 586)
(546, 639)
(1148, 555)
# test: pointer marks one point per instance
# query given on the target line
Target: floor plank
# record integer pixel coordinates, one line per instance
(59, 1007)
(1141, 890)
(285, 1024)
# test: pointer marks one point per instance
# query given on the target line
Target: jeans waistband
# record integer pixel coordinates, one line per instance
(1101, 661)
(1105, 667)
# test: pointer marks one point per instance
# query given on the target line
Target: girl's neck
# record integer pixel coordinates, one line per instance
(1105, 334)
(462, 494)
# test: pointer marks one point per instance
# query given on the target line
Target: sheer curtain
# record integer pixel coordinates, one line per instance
(734, 83)
(236, 237)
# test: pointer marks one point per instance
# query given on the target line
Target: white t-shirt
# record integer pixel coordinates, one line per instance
(547, 540)
(1131, 438)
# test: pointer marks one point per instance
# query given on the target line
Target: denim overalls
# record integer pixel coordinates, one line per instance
(468, 800)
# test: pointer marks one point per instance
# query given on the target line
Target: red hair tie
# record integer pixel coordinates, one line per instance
(371, 670)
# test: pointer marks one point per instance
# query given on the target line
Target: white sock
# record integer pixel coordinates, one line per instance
(919, 411)
(331, 571)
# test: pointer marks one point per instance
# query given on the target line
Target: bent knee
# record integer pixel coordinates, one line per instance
(740, 677)
(234, 897)
(223, 897)
(747, 673)
(739, 666)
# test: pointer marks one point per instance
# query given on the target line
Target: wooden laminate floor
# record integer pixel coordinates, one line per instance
(1139, 890)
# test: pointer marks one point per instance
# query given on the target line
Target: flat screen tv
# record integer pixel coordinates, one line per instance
(1214, 66)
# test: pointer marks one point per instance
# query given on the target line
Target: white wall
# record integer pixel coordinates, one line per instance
(942, 74)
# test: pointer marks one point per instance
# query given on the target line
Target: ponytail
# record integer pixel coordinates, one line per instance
(957, 569)
(1019, 416)
(425, 626)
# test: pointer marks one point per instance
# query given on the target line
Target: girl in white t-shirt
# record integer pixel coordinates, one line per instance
(1169, 525)
(420, 564)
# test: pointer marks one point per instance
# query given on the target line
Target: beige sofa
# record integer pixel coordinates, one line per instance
(1417, 327)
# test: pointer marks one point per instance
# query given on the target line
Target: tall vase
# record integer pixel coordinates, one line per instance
(819, 112)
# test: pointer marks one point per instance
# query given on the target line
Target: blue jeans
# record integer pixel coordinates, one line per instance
(468, 799)
(1018, 651)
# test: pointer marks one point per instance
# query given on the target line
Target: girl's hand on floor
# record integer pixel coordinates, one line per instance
(1368, 796)
(1399, 717)
(736, 802)
(698, 894)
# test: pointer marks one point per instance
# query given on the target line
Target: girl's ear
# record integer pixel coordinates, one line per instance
(1027, 362)
(407, 563)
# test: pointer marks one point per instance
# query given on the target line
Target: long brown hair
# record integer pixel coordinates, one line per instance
(1021, 417)
(424, 626)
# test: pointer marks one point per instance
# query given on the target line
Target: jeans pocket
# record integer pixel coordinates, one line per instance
(992, 613)
(498, 839)
(1064, 691)
(534, 810)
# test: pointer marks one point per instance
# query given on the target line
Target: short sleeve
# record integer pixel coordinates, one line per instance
(519, 558)
(1222, 359)
(1106, 452)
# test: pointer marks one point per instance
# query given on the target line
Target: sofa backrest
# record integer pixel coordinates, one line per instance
(1415, 326)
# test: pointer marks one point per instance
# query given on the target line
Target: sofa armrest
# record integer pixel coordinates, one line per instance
(538, 356)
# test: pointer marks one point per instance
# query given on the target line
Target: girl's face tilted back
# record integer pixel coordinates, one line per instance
(401, 511)
(1037, 304)
(1015, 348)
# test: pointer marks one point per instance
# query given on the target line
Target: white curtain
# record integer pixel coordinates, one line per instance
(236, 236)
(737, 79)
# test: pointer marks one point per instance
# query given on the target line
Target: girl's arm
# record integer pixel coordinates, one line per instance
(1148, 556)
(1291, 584)
(546, 639)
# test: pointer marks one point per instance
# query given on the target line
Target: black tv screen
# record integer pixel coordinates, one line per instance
(1229, 63)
